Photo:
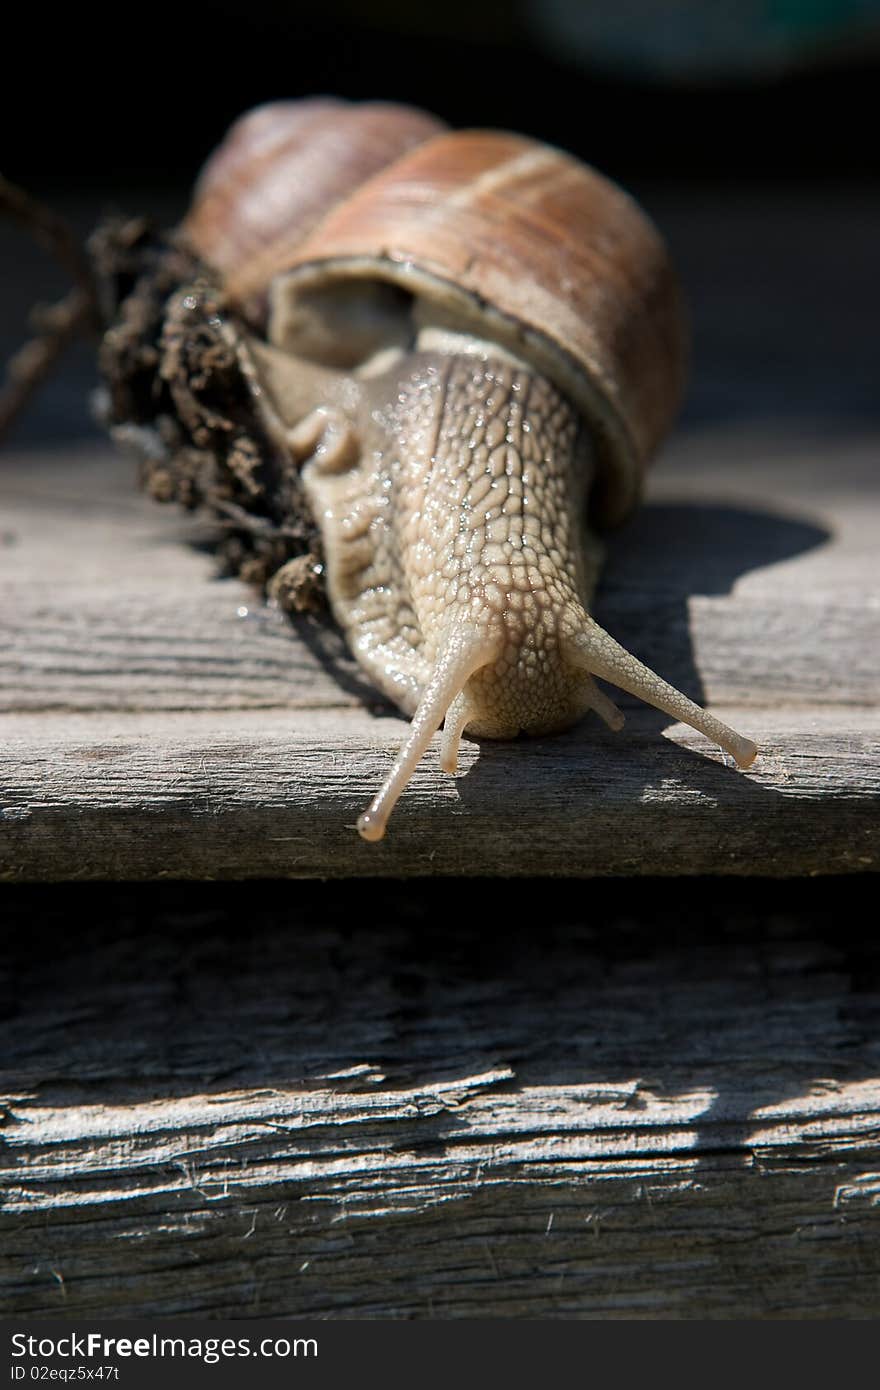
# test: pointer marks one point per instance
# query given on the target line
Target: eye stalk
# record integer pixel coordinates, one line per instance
(595, 651)
(464, 654)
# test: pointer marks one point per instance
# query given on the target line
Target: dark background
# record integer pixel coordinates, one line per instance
(750, 139)
(139, 94)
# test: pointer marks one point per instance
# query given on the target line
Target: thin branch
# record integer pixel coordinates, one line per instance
(55, 327)
(51, 230)
(32, 363)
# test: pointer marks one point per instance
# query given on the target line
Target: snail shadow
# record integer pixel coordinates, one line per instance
(672, 552)
(326, 644)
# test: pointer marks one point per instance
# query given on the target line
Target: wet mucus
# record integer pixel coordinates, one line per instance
(173, 392)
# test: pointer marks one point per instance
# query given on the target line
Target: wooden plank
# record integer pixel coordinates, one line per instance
(252, 796)
(160, 721)
(305, 1101)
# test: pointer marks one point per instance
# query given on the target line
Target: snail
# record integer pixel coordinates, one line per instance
(459, 351)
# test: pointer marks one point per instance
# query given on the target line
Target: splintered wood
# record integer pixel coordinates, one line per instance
(446, 1100)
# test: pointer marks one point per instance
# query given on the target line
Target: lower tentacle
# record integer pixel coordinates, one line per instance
(453, 727)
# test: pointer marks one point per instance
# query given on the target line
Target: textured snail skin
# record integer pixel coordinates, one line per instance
(449, 443)
(450, 492)
(462, 518)
(457, 568)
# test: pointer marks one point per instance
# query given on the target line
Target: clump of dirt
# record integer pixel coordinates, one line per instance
(174, 392)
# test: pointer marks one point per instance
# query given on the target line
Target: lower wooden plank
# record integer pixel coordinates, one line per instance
(468, 1100)
(586, 1241)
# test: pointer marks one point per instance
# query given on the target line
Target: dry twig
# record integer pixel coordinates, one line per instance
(55, 327)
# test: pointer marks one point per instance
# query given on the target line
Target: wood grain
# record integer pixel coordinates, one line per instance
(160, 721)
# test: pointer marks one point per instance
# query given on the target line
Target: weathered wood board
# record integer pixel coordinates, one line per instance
(445, 1100)
(158, 721)
(628, 1097)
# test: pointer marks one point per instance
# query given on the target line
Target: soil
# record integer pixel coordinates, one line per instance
(173, 392)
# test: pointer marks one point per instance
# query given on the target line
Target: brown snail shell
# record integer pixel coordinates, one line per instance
(303, 195)
(537, 252)
(466, 332)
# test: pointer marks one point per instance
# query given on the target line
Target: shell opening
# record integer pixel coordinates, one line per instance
(346, 323)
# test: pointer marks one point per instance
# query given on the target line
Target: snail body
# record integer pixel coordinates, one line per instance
(467, 345)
